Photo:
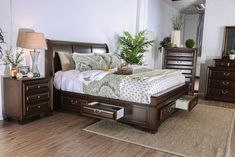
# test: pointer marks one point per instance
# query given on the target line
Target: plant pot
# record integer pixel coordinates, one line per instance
(232, 56)
(176, 38)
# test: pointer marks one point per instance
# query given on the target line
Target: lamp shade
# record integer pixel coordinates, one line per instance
(21, 35)
(34, 40)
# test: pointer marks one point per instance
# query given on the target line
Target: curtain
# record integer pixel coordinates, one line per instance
(200, 33)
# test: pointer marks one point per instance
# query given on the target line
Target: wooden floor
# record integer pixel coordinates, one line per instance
(62, 135)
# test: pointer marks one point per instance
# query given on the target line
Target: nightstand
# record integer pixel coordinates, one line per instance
(25, 98)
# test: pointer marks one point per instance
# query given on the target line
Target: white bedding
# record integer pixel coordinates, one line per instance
(134, 88)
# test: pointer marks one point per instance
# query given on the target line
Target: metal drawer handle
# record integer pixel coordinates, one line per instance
(39, 97)
(226, 74)
(27, 108)
(39, 86)
(27, 98)
(97, 111)
(224, 92)
(74, 102)
(39, 106)
(179, 62)
(225, 83)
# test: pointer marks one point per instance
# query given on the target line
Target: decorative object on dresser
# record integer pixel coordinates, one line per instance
(24, 70)
(221, 81)
(232, 54)
(229, 41)
(177, 23)
(184, 60)
(34, 40)
(25, 98)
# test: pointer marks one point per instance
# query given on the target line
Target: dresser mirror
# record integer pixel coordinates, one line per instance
(229, 40)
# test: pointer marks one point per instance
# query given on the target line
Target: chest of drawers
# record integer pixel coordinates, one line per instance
(25, 98)
(221, 81)
(183, 60)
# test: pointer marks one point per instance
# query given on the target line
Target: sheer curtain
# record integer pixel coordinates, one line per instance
(200, 33)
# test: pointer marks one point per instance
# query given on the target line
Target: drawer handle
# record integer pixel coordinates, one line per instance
(27, 98)
(74, 102)
(225, 83)
(179, 62)
(27, 108)
(224, 92)
(97, 111)
(39, 97)
(39, 106)
(39, 87)
(226, 74)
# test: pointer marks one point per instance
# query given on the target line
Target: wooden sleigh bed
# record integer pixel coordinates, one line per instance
(148, 117)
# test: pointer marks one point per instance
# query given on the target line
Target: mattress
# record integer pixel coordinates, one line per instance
(138, 87)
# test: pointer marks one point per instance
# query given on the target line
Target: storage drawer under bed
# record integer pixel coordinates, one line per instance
(101, 110)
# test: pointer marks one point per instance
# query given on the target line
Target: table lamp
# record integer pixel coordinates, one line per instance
(35, 41)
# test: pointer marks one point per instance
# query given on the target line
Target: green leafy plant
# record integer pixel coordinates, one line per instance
(133, 47)
(177, 22)
(190, 43)
(12, 58)
(232, 52)
(166, 43)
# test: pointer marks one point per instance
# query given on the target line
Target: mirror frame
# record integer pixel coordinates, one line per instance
(224, 53)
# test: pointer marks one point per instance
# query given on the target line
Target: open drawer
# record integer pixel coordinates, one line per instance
(102, 110)
(186, 102)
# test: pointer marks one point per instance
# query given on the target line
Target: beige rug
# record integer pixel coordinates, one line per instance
(204, 132)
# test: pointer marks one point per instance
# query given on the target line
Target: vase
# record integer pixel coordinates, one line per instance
(7, 70)
(176, 38)
(232, 56)
(13, 72)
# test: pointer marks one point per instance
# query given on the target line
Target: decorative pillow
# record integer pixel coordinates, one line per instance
(66, 61)
(84, 63)
(111, 60)
(84, 54)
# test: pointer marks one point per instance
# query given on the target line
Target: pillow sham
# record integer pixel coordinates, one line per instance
(111, 60)
(84, 63)
(66, 61)
(84, 54)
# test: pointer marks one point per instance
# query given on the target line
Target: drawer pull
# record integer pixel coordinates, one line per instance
(39, 97)
(27, 108)
(39, 87)
(27, 88)
(224, 92)
(74, 102)
(27, 98)
(225, 83)
(39, 106)
(97, 111)
(179, 62)
(226, 74)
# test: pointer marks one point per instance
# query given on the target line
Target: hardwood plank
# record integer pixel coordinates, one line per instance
(62, 135)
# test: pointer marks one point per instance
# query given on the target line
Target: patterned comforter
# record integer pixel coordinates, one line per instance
(138, 87)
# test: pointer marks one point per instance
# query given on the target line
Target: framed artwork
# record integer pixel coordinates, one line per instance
(24, 70)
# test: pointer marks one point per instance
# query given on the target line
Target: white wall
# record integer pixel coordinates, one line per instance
(158, 22)
(218, 15)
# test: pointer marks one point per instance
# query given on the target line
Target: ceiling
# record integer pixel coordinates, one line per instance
(187, 6)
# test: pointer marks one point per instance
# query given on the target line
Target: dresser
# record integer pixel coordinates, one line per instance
(221, 81)
(26, 98)
(184, 60)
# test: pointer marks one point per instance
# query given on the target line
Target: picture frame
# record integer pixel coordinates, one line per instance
(24, 70)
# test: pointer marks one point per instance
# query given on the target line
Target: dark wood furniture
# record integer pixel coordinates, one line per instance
(221, 81)
(25, 98)
(146, 116)
(184, 60)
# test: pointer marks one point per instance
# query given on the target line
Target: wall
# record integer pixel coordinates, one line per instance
(158, 22)
(218, 14)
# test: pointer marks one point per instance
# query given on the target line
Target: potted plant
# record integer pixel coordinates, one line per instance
(133, 47)
(190, 43)
(165, 43)
(232, 54)
(177, 23)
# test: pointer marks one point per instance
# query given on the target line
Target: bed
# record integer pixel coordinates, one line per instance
(146, 113)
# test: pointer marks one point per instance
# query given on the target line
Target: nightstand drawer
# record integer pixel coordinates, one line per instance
(222, 84)
(222, 75)
(37, 97)
(37, 86)
(221, 93)
(37, 109)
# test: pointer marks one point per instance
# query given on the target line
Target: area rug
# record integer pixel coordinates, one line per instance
(204, 132)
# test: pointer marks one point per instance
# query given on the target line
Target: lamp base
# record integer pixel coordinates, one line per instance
(34, 55)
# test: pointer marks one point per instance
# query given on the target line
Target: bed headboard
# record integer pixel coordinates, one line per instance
(52, 61)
